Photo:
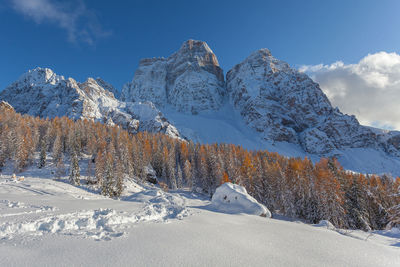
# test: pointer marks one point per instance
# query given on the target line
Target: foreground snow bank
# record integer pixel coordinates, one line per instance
(99, 224)
(231, 198)
(21, 220)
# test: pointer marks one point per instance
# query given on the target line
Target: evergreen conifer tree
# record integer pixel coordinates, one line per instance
(60, 168)
(107, 187)
(119, 183)
(43, 154)
(74, 176)
(57, 148)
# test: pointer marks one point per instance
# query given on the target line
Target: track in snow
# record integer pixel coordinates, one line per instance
(150, 205)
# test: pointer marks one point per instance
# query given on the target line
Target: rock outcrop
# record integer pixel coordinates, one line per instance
(5, 106)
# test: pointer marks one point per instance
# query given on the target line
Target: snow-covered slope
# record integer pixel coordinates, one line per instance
(190, 80)
(41, 92)
(44, 222)
(227, 126)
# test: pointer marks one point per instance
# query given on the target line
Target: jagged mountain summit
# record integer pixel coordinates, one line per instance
(41, 92)
(190, 80)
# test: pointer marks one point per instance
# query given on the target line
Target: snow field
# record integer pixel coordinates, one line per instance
(46, 222)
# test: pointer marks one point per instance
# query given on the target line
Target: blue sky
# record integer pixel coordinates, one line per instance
(82, 38)
(299, 32)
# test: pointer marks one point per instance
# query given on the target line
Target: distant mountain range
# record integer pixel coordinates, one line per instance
(262, 103)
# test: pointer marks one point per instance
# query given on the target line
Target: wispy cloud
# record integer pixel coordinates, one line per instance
(369, 89)
(80, 23)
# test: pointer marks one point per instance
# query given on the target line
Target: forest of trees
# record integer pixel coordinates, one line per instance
(290, 186)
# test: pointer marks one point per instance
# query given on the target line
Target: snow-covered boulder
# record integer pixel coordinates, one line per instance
(232, 198)
(150, 174)
(326, 224)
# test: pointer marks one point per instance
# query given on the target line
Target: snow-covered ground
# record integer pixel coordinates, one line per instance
(44, 222)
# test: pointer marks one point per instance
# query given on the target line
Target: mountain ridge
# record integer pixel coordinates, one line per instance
(41, 92)
(276, 106)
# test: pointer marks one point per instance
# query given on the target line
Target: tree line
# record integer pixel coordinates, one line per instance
(293, 187)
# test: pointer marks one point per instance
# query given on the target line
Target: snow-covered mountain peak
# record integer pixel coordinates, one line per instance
(263, 57)
(190, 80)
(39, 76)
(196, 45)
(264, 53)
(91, 81)
(198, 51)
(285, 105)
(40, 92)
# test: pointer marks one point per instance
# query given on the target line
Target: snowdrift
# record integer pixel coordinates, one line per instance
(231, 198)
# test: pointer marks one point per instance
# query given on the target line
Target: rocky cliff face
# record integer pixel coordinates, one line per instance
(149, 83)
(108, 87)
(285, 105)
(41, 92)
(190, 80)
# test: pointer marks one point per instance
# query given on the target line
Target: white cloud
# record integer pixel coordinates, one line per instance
(369, 89)
(80, 23)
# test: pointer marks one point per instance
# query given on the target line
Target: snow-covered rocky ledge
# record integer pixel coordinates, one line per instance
(232, 198)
